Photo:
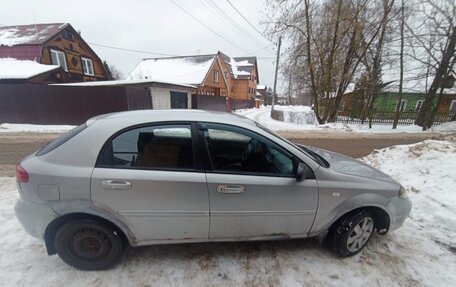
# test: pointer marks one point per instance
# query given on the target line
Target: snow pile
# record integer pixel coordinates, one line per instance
(302, 118)
(359, 128)
(445, 128)
(427, 171)
(263, 116)
(300, 115)
(14, 128)
(22, 69)
(421, 253)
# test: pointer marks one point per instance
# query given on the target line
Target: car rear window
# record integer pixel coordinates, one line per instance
(61, 140)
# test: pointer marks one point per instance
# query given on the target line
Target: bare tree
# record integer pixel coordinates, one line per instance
(113, 72)
(328, 42)
(401, 63)
(438, 44)
(373, 60)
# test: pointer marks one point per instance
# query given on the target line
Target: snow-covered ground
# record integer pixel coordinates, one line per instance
(296, 118)
(301, 118)
(421, 253)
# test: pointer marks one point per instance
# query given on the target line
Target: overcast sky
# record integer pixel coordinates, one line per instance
(157, 26)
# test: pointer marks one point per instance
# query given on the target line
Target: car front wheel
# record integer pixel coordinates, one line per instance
(351, 233)
(89, 244)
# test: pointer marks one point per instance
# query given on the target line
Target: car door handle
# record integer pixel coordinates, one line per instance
(226, 188)
(116, 184)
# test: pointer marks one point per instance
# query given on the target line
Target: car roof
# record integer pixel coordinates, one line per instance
(177, 115)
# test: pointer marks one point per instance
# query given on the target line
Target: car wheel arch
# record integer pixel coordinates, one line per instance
(382, 218)
(53, 227)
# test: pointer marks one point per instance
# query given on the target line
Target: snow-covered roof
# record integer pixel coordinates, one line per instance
(125, 83)
(184, 70)
(240, 67)
(261, 87)
(29, 34)
(13, 69)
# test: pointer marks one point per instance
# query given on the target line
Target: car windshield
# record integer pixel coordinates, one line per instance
(314, 156)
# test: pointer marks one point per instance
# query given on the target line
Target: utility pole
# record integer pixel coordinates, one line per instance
(274, 97)
(289, 89)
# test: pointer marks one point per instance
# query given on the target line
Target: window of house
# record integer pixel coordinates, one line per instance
(59, 58)
(226, 75)
(342, 106)
(237, 150)
(154, 147)
(87, 66)
(68, 35)
(216, 76)
(453, 107)
(403, 105)
(418, 105)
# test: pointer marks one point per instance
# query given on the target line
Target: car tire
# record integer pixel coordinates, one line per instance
(350, 234)
(88, 244)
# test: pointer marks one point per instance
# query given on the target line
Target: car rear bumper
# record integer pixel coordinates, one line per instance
(33, 217)
(401, 208)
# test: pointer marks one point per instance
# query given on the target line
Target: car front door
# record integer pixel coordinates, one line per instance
(252, 186)
(147, 175)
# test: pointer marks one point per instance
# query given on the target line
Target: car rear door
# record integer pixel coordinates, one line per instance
(148, 176)
(252, 186)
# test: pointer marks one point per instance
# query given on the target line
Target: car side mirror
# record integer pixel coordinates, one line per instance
(303, 172)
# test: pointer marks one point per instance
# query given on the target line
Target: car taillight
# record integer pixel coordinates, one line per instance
(21, 174)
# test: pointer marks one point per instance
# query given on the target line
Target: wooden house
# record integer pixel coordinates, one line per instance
(53, 44)
(213, 75)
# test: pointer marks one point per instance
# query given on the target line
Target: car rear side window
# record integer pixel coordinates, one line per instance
(153, 147)
(61, 140)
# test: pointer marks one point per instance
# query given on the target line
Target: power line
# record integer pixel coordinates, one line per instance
(228, 19)
(155, 53)
(251, 25)
(202, 23)
(131, 50)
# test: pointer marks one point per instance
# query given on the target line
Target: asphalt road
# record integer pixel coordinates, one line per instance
(15, 146)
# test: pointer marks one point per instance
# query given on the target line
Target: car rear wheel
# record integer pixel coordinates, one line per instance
(351, 233)
(89, 245)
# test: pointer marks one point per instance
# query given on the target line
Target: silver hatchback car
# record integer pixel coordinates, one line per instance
(180, 176)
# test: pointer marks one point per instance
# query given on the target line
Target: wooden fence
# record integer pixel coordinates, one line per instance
(218, 103)
(386, 117)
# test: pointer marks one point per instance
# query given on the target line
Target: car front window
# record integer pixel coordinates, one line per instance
(315, 157)
(234, 150)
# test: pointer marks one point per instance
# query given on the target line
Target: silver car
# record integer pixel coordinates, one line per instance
(181, 176)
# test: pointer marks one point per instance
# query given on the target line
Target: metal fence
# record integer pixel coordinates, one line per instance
(42, 104)
(386, 117)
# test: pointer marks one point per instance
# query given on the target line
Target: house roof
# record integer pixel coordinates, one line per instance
(13, 69)
(184, 70)
(29, 34)
(140, 82)
(240, 67)
(190, 69)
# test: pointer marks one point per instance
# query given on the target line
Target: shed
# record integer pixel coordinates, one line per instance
(163, 95)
